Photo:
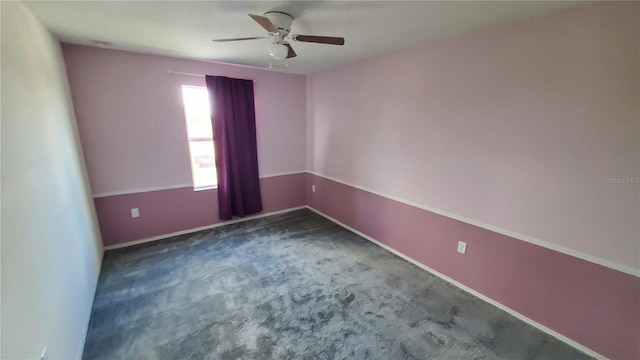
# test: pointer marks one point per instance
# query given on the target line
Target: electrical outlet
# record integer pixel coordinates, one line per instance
(313, 188)
(43, 355)
(135, 213)
(462, 247)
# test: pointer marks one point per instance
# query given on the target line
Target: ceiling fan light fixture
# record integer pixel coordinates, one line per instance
(278, 51)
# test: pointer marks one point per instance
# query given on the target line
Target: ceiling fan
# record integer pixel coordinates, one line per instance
(278, 24)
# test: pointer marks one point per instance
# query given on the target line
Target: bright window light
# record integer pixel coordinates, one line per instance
(200, 136)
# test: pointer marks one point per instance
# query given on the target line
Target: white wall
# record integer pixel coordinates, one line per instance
(51, 250)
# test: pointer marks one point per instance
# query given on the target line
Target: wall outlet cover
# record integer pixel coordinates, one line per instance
(462, 247)
(135, 212)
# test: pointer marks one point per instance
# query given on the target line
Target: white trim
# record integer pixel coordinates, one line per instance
(178, 186)
(512, 312)
(203, 188)
(207, 227)
(284, 173)
(141, 190)
(578, 254)
(575, 253)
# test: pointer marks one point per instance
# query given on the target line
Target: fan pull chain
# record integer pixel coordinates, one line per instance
(270, 65)
(286, 63)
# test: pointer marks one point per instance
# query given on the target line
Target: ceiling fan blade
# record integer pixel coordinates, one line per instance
(291, 53)
(265, 23)
(240, 39)
(319, 39)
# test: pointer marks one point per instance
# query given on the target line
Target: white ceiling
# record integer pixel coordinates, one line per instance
(186, 28)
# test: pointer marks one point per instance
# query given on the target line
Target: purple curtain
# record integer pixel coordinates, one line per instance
(234, 131)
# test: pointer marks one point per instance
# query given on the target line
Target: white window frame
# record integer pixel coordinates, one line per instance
(191, 139)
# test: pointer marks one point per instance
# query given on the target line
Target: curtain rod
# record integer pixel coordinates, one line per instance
(184, 73)
(188, 74)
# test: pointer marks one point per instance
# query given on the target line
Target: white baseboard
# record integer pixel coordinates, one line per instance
(207, 227)
(527, 320)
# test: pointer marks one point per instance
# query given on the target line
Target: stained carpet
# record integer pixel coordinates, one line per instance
(293, 286)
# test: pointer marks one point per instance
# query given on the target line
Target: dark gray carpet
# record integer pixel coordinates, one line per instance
(293, 286)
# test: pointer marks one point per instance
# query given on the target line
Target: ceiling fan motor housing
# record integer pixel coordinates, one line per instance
(280, 20)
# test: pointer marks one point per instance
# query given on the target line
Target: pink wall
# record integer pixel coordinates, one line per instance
(133, 133)
(588, 303)
(166, 211)
(517, 128)
(131, 120)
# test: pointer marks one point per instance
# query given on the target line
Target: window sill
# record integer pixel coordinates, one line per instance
(205, 188)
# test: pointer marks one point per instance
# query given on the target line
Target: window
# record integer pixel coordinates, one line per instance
(200, 134)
